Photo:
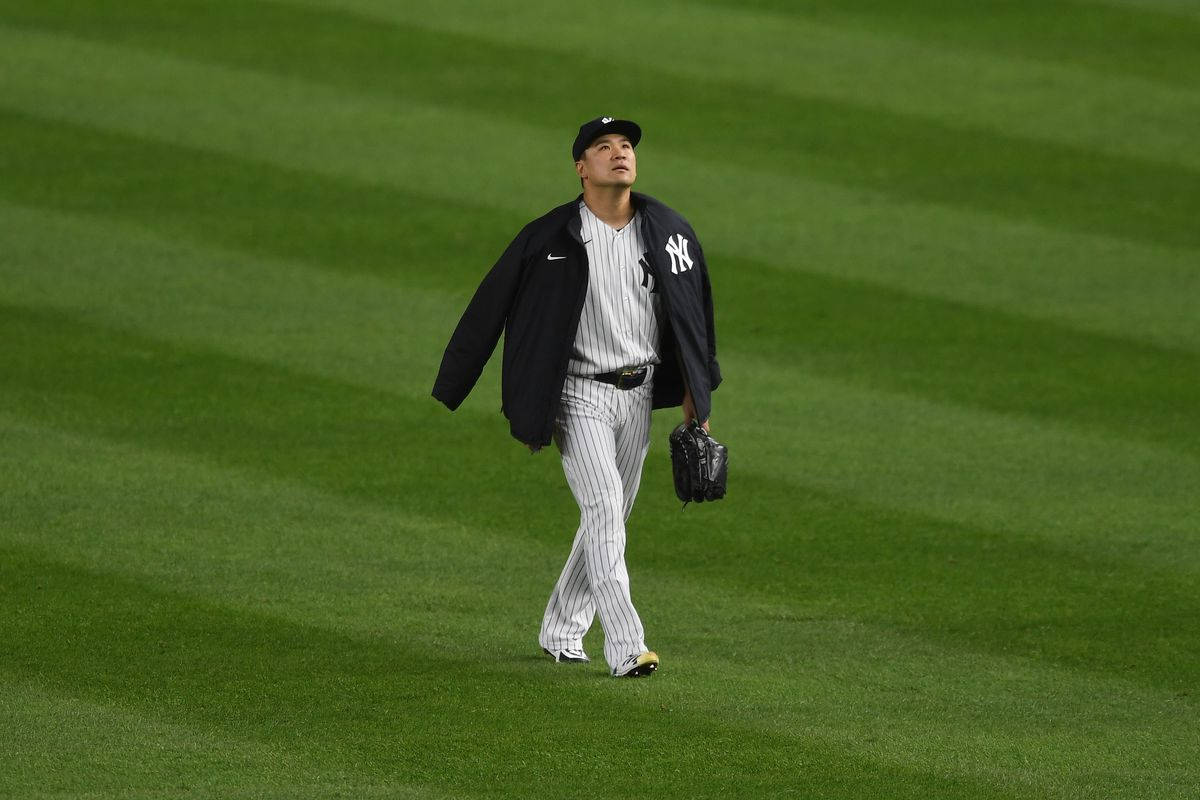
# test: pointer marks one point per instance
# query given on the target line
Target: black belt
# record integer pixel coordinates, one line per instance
(623, 379)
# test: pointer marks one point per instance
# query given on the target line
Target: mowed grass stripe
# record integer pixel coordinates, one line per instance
(848, 680)
(347, 441)
(963, 355)
(287, 548)
(1002, 676)
(959, 464)
(384, 333)
(900, 155)
(342, 702)
(798, 224)
(292, 689)
(996, 594)
(797, 56)
(291, 214)
(877, 337)
(281, 544)
(70, 747)
(965, 466)
(1096, 36)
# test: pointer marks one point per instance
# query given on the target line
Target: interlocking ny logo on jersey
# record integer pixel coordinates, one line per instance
(677, 250)
(648, 281)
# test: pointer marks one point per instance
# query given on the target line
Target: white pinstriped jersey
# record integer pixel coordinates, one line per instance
(619, 325)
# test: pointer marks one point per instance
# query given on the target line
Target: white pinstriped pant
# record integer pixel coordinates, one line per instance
(602, 433)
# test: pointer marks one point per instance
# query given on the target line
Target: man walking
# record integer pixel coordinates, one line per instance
(607, 311)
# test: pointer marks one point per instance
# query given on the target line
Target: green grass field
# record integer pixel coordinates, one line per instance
(955, 248)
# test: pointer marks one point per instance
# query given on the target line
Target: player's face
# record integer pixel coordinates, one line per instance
(608, 161)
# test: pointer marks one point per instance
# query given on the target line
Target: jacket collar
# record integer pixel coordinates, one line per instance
(573, 220)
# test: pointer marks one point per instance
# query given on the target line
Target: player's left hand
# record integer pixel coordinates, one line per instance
(689, 411)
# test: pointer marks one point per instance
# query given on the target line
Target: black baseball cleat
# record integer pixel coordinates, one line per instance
(637, 665)
(574, 655)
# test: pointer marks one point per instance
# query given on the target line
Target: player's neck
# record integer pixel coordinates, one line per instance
(612, 205)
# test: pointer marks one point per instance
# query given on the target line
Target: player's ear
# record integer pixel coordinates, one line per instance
(580, 169)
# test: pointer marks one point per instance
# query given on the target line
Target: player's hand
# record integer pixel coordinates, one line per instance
(689, 411)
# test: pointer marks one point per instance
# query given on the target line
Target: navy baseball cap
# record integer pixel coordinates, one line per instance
(592, 130)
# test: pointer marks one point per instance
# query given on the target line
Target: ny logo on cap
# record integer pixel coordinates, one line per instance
(605, 120)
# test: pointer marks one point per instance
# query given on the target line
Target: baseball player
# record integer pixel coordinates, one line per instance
(607, 312)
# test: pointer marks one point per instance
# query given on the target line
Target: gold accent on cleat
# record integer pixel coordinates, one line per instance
(646, 664)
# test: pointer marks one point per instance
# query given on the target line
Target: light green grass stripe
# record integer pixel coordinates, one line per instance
(801, 58)
(836, 327)
(898, 155)
(357, 442)
(1105, 39)
(997, 718)
(1130, 289)
(966, 466)
(973, 257)
(285, 548)
(360, 328)
(898, 451)
(962, 465)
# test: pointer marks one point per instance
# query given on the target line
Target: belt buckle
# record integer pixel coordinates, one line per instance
(626, 374)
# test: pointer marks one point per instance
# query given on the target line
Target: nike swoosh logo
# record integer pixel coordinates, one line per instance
(554, 258)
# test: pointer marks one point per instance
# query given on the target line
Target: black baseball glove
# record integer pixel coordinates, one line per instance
(699, 463)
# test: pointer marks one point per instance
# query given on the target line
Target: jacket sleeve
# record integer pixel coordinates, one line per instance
(475, 338)
(714, 369)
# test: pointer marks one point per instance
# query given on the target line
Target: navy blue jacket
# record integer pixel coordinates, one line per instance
(538, 302)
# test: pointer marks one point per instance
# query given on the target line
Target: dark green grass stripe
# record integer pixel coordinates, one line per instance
(238, 203)
(385, 710)
(907, 157)
(962, 587)
(854, 331)
(1140, 42)
(343, 438)
(874, 336)
(968, 588)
